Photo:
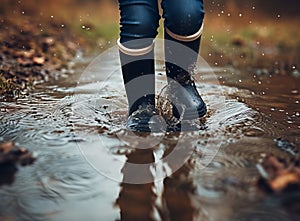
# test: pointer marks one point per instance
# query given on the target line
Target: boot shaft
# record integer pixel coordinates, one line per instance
(139, 79)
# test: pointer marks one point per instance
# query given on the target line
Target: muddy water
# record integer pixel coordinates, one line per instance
(84, 170)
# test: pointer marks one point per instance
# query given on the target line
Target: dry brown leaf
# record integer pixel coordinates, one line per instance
(24, 62)
(39, 60)
(283, 180)
(278, 175)
(6, 147)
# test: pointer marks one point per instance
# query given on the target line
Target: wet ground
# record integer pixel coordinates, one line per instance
(89, 167)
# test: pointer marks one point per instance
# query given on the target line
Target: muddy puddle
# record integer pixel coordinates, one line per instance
(89, 167)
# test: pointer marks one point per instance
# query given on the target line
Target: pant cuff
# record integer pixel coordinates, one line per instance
(134, 52)
(186, 38)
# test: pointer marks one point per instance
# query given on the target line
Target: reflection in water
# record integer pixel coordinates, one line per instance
(177, 191)
(136, 200)
(7, 174)
(167, 199)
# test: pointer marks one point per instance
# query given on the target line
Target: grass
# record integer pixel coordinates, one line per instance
(262, 42)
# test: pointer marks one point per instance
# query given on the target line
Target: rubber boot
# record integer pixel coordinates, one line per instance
(181, 57)
(139, 81)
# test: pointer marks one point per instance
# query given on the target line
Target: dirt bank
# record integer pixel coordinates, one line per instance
(31, 52)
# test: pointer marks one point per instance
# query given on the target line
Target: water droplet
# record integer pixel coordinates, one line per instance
(296, 73)
(240, 15)
(51, 16)
(62, 25)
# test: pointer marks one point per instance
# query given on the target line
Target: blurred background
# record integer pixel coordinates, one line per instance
(237, 32)
(249, 25)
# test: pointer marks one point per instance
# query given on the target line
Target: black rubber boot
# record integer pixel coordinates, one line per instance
(180, 62)
(139, 80)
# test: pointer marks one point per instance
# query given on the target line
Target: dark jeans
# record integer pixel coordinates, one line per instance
(140, 19)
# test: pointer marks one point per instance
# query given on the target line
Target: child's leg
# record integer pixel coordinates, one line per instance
(183, 29)
(139, 23)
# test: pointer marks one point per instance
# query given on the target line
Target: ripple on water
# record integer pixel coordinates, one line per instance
(50, 122)
(271, 213)
(226, 122)
(264, 125)
(214, 170)
(58, 181)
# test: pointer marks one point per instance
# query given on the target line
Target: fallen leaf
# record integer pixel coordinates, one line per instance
(283, 180)
(10, 154)
(49, 41)
(278, 175)
(29, 54)
(24, 62)
(6, 147)
(39, 60)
